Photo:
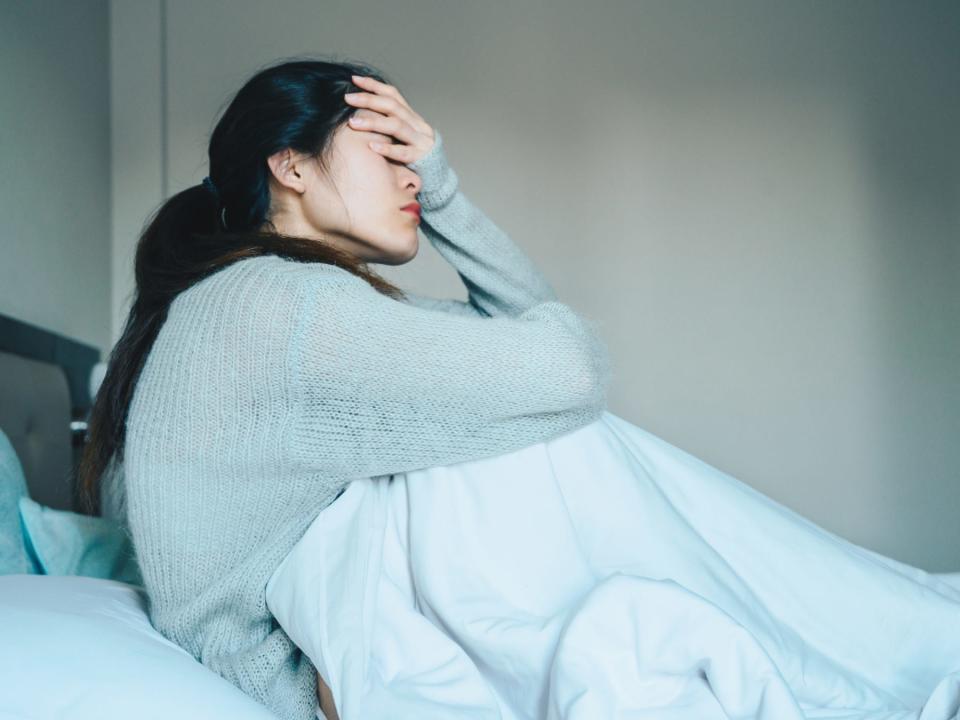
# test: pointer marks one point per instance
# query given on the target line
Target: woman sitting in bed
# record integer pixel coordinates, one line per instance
(264, 367)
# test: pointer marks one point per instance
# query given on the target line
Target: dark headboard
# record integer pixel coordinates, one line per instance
(44, 404)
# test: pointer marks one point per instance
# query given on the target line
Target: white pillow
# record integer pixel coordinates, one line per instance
(83, 648)
(951, 578)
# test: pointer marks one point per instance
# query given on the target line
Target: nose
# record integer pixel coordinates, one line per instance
(413, 181)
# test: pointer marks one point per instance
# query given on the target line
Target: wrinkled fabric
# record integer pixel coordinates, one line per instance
(608, 574)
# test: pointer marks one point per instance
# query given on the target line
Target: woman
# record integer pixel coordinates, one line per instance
(263, 366)
(264, 371)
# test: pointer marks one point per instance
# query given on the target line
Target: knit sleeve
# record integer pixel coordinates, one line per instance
(500, 278)
(450, 305)
(381, 386)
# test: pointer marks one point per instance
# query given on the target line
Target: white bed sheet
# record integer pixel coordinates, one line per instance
(608, 574)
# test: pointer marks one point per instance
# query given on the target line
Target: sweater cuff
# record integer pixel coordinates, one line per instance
(439, 181)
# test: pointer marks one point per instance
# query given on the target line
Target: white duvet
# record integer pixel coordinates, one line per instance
(607, 574)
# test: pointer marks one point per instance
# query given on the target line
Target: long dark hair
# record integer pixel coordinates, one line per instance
(295, 104)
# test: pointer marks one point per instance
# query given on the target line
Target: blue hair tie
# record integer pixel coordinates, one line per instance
(208, 184)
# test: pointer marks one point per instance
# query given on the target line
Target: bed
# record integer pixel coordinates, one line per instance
(77, 646)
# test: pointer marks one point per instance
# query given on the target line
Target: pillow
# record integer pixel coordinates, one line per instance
(951, 578)
(83, 648)
(68, 543)
(13, 486)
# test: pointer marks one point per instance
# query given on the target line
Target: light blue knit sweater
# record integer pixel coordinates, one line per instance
(273, 383)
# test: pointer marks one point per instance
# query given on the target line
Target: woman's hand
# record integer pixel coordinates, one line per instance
(390, 114)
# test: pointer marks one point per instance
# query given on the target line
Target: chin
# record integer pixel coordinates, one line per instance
(411, 253)
(401, 255)
(415, 248)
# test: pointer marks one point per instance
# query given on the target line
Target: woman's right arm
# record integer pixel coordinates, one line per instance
(381, 386)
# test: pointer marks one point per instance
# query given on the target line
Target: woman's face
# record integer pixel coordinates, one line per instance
(356, 208)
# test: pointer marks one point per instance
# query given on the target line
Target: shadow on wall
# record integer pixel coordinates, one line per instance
(913, 183)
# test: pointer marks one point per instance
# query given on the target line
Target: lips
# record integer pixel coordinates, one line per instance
(413, 208)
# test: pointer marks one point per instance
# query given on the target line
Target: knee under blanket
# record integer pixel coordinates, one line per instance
(607, 574)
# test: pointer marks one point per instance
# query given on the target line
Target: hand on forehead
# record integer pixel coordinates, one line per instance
(367, 114)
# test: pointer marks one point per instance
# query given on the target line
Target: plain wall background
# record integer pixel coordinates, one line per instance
(55, 167)
(759, 202)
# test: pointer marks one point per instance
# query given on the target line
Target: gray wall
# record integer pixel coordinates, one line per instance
(55, 166)
(759, 201)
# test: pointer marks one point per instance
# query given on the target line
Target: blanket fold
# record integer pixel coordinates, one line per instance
(608, 574)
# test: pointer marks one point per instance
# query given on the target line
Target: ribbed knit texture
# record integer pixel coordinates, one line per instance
(273, 383)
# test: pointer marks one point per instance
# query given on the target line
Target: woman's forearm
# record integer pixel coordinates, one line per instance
(500, 277)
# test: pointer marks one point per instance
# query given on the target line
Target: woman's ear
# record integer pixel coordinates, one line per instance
(287, 170)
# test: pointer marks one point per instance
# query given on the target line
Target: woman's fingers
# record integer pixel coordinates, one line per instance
(388, 125)
(386, 99)
(396, 118)
(383, 88)
(383, 104)
(414, 145)
(401, 153)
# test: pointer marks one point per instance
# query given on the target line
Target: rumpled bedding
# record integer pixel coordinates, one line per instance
(607, 574)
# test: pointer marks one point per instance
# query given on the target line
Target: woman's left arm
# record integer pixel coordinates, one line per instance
(501, 279)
